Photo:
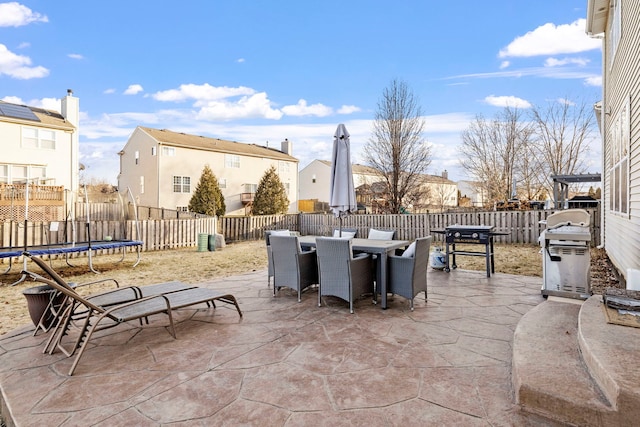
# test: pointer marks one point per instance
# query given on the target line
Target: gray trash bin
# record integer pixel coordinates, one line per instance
(212, 242)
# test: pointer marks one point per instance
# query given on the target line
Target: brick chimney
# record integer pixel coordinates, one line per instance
(445, 174)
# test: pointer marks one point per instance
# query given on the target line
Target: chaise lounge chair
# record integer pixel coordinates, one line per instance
(136, 303)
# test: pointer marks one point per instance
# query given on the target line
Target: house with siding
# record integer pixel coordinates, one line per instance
(39, 147)
(314, 185)
(162, 168)
(616, 22)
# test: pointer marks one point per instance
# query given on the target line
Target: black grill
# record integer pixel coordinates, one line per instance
(478, 234)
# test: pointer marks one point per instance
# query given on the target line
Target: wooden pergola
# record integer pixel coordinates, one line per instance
(561, 186)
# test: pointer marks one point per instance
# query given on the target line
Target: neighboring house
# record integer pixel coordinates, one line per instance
(162, 168)
(370, 190)
(618, 113)
(474, 191)
(40, 147)
(314, 179)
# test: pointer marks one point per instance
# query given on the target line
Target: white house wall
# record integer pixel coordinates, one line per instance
(58, 161)
(140, 177)
(621, 233)
(319, 189)
(159, 170)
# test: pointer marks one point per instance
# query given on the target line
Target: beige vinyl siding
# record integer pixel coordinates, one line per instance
(622, 85)
(183, 155)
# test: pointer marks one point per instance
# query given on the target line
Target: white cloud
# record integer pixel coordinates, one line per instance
(254, 106)
(19, 66)
(546, 72)
(13, 14)
(507, 101)
(109, 91)
(593, 81)
(24, 45)
(133, 90)
(204, 92)
(554, 62)
(348, 109)
(75, 56)
(551, 39)
(46, 103)
(565, 101)
(13, 100)
(504, 64)
(240, 60)
(302, 109)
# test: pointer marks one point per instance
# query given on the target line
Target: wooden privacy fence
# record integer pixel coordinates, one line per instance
(156, 235)
(520, 226)
(239, 228)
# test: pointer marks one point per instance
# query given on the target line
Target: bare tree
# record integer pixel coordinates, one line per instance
(397, 148)
(562, 132)
(493, 151)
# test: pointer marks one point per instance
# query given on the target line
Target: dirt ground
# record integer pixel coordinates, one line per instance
(190, 266)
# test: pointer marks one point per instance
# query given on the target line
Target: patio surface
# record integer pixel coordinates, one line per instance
(286, 363)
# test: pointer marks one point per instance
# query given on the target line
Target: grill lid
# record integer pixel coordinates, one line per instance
(568, 217)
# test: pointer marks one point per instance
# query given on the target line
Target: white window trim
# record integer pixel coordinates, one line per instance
(619, 162)
(38, 138)
(615, 31)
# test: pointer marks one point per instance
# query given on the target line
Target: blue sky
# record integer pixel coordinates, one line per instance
(262, 71)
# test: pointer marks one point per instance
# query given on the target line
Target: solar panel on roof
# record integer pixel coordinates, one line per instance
(18, 112)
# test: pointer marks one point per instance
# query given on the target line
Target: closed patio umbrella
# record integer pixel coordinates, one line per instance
(342, 192)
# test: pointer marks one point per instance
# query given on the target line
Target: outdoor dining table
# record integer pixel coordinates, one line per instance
(381, 248)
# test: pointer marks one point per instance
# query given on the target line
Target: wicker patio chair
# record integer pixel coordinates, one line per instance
(96, 317)
(407, 275)
(267, 237)
(340, 273)
(292, 267)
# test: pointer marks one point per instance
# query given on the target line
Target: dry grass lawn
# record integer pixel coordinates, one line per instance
(190, 266)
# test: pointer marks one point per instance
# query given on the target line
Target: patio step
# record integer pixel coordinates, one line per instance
(549, 375)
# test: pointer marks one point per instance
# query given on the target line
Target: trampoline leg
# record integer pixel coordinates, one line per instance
(24, 276)
(91, 262)
(138, 256)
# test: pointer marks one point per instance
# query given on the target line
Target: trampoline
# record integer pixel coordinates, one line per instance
(65, 248)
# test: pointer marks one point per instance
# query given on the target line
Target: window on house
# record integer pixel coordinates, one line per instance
(284, 167)
(38, 175)
(4, 174)
(615, 31)
(619, 163)
(141, 184)
(287, 187)
(182, 208)
(222, 183)
(38, 138)
(137, 156)
(231, 161)
(168, 151)
(19, 174)
(153, 150)
(182, 184)
(250, 188)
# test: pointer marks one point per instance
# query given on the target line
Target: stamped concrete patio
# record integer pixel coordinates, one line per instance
(285, 363)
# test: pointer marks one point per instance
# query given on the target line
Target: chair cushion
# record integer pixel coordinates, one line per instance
(280, 233)
(380, 234)
(345, 234)
(411, 251)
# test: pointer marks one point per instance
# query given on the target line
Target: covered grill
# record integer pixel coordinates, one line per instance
(566, 264)
(470, 234)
